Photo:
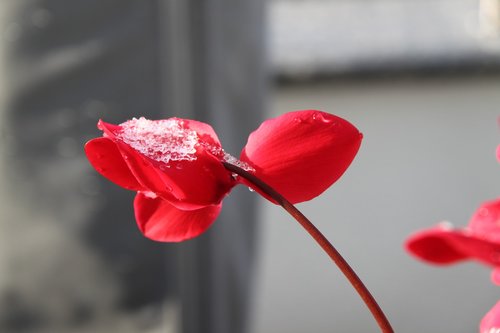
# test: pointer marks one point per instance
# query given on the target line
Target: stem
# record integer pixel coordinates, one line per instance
(322, 241)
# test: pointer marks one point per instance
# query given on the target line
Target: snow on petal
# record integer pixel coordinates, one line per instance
(302, 153)
(171, 159)
(162, 140)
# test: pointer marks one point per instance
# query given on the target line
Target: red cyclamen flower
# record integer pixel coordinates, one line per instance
(175, 165)
(480, 241)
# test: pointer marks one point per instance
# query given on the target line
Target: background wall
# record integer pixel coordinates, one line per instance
(428, 155)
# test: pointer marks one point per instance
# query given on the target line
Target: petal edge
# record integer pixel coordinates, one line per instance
(105, 157)
(302, 153)
(159, 220)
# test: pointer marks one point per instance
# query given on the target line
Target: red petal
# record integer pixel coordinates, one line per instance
(160, 221)
(204, 130)
(435, 246)
(105, 157)
(445, 246)
(188, 184)
(495, 276)
(302, 153)
(486, 220)
(491, 321)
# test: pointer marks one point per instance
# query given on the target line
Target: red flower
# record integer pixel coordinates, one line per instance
(491, 321)
(175, 165)
(480, 240)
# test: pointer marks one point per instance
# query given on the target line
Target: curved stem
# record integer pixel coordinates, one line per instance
(332, 252)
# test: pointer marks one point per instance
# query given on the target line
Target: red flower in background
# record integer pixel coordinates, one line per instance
(480, 240)
(175, 165)
(491, 321)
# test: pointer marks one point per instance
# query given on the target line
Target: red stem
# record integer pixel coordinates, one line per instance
(332, 252)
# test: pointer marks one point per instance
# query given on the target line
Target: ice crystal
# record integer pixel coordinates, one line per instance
(240, 164)
(161, 140)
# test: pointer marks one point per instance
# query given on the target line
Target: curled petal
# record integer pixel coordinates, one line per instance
(491, 321)
(435, 246)
(443, 246)
(195, 179)
(161, 221)
(105, 157)
(302, 153)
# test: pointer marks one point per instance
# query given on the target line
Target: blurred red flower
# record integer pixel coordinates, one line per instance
(491, 321)
(175, 166)
(480, 240)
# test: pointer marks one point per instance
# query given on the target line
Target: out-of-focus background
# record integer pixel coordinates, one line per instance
(420, 79)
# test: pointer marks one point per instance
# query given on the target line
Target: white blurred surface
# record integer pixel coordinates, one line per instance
(338, 36)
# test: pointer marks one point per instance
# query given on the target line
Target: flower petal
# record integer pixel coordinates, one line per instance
(205, 131)
(195, 179)
(105, 157)
(486, 220)
(160, 221)
(446, 246)
(302, 153)
(491, 321)
(435, 246)
(495, 276)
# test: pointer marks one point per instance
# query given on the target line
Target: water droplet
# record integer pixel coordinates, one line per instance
(446, 225)
(484, 212)
(149, 194)
(251, 189)
(322, 117)
(298, 120)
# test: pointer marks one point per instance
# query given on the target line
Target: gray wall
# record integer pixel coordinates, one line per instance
(428, 155)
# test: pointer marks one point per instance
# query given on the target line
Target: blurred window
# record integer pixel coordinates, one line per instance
(318, 37)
